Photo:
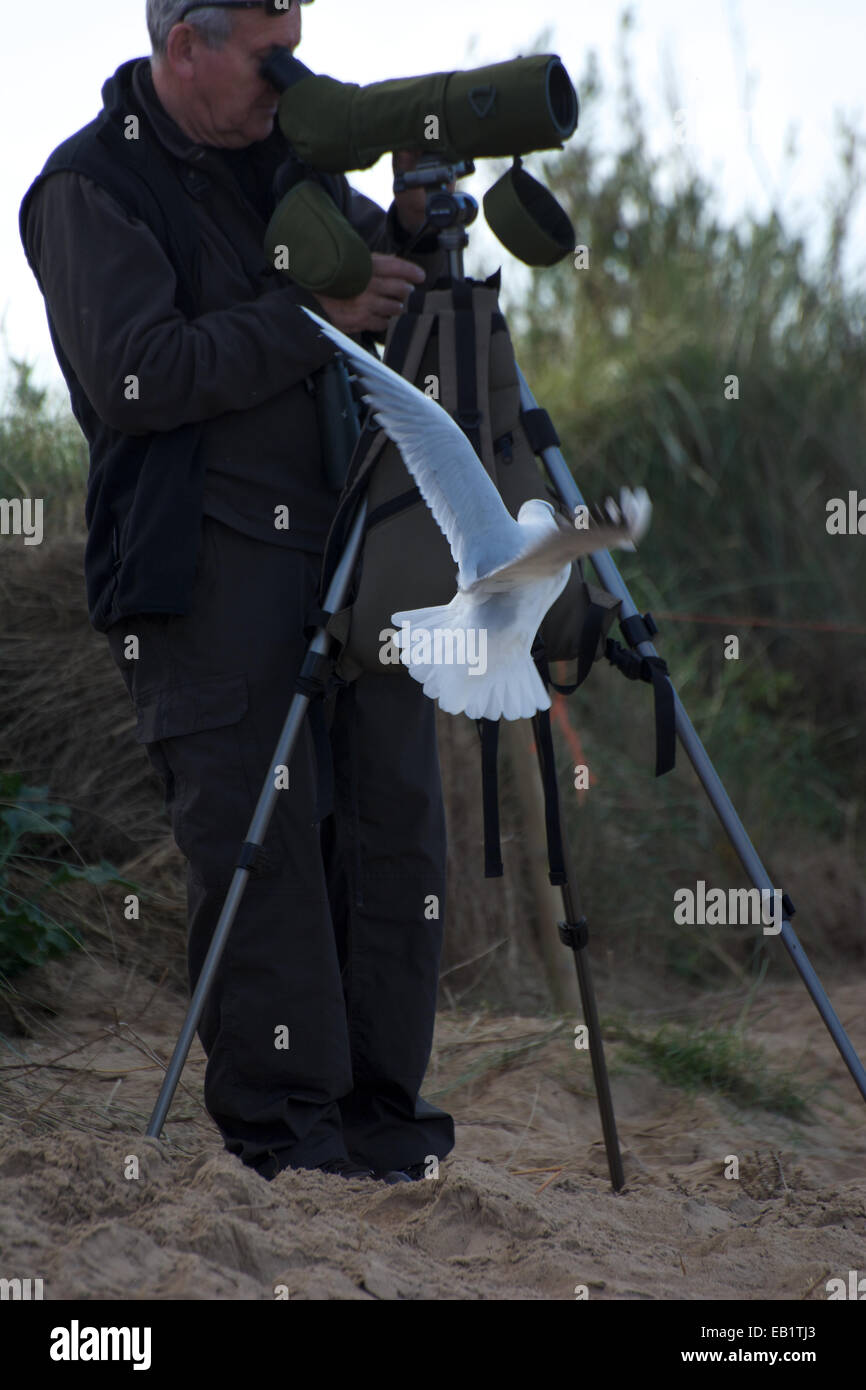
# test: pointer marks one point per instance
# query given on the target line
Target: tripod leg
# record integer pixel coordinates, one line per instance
(573, 932)
(699, 758)
(318, 650)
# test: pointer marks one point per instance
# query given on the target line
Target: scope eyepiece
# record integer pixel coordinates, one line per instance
(282, 69)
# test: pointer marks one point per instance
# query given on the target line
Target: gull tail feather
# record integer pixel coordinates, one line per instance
(471, 671)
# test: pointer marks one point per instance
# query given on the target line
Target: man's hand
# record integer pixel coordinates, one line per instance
(391, 284)
(411, 204)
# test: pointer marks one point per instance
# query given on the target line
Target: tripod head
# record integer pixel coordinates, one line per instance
(447, 211)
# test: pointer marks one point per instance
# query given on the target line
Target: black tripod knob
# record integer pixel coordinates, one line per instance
(451, 209)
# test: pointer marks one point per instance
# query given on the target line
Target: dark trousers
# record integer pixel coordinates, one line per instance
(319, 1025)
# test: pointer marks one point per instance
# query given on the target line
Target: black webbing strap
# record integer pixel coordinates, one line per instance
(504, 445)
(544, 734)
(467, 415)
(488, 730)
(414, 304)
(396, 504)
(654, 672)
(400, 340)
(555, 857)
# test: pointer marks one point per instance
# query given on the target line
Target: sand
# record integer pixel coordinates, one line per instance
(522, 1209)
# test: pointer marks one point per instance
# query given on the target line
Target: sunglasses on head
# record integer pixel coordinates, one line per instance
(268, 6)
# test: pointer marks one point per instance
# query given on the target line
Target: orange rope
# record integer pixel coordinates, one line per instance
(559, 716)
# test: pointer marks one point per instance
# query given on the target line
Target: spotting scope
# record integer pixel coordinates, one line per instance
(505, 109)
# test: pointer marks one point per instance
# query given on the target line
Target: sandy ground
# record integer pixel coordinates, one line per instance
(523, 1209)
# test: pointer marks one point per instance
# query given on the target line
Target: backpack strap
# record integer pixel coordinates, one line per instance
(654, 671)
(464, 359)
(553, 826)
(464, 365)
(544, 735)
(600, 605)
(488, 731)
(404, 351)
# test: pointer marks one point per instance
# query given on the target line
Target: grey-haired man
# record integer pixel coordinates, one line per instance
(190, 367)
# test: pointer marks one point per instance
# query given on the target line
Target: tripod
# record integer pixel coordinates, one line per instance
(451, 213)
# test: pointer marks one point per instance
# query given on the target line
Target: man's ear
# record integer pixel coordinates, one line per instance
(180, 50)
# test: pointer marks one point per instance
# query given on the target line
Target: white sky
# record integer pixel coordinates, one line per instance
(803, 58)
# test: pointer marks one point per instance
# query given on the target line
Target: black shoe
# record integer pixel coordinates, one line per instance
(344, 1168)
(347, 1168)
(416, 1172)
(410, 1172)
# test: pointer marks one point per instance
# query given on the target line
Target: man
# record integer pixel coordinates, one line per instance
(191, 369)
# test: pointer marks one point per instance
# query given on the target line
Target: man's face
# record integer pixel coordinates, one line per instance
(234, 105)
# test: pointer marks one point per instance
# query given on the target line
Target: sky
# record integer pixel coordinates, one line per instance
(751, 77)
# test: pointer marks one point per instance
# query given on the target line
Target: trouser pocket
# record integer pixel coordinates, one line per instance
(193, 731)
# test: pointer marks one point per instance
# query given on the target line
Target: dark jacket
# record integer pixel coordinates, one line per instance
(186, 355)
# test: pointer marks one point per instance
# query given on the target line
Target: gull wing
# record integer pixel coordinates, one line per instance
(549, 550)
(450, 476)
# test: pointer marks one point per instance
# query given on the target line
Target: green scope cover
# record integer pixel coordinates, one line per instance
(310, 241)
(506, 108)
(527, 219)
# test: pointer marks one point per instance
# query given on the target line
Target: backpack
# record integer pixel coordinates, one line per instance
(453, 342)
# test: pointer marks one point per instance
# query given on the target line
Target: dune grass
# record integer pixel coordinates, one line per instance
(719, 1060)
